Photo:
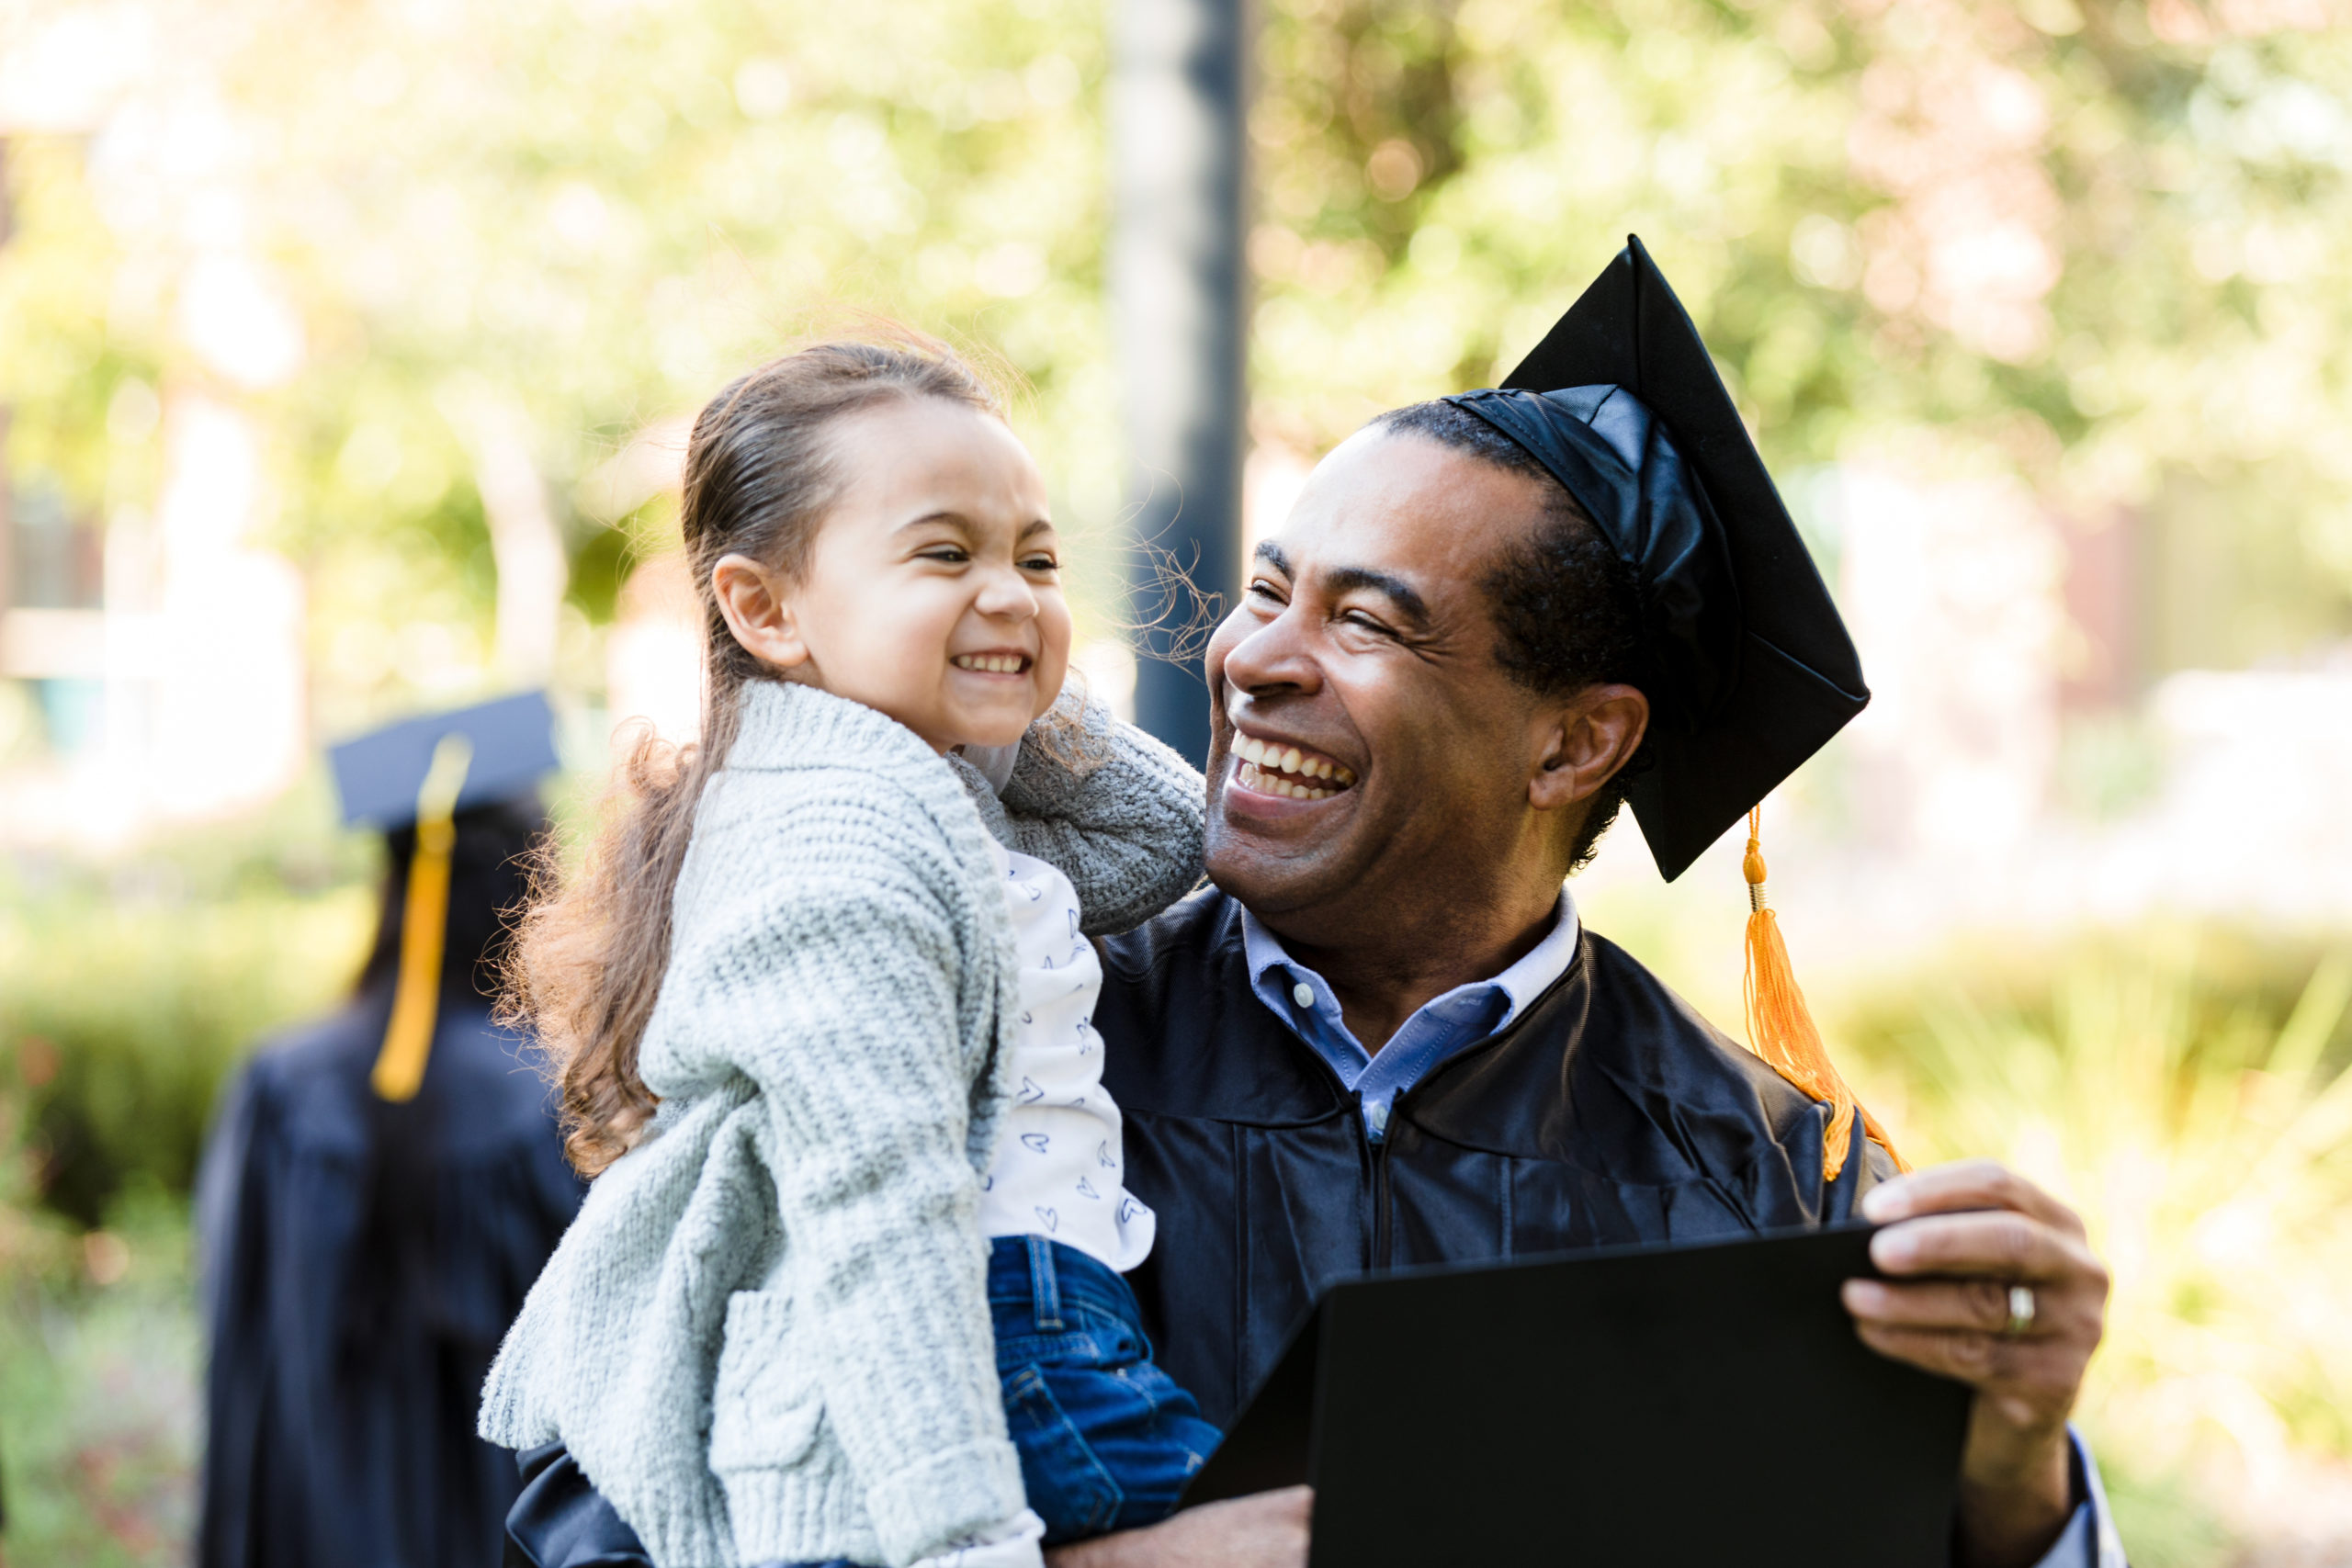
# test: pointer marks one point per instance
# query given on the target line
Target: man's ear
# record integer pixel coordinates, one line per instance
(759, 610)
(1584, 741)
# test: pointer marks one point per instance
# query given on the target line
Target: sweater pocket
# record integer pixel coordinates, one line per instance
(766, 1406)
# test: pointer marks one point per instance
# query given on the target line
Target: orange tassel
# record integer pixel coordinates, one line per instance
(1780, 1030)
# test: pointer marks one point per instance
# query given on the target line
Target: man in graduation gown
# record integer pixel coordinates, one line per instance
(365, 1240)
(1384, 1038)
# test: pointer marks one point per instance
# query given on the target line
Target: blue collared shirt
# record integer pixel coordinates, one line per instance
(1443, 1025)
(1467, 1014)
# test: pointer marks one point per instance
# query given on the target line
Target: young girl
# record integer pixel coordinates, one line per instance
(820, 1001)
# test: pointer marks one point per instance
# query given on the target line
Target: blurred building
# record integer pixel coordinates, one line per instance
(156, 662)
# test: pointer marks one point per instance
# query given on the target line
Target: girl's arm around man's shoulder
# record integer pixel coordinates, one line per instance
(1117, 812)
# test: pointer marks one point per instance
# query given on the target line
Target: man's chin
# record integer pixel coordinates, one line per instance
(1274, 861)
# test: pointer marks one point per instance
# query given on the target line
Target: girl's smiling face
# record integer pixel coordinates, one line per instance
(932, 588)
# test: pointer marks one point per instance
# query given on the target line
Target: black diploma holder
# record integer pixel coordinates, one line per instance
(1678, 1406)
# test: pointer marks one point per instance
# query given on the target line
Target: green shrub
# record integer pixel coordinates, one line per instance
(99, 1404)
(122, 1018)
(128, 991)
(2188, 1094)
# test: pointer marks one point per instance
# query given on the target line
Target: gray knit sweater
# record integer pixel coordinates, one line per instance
(766, 1337)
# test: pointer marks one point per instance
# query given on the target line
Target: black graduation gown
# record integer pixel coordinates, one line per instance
(1607, 1112)
(362, 1261)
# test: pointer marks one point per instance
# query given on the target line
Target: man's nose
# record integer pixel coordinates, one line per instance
(1274, 657)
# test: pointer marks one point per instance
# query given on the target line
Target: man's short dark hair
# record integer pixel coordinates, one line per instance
(1568, 611)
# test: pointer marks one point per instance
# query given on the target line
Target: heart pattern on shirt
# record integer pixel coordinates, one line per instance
(1043, 1173)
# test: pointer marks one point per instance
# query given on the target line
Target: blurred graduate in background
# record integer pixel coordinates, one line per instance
(382, 1188)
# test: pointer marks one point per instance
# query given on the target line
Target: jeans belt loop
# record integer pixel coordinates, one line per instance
(1044, 1286)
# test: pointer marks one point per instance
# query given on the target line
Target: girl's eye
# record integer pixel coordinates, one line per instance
(1040, 563)
(947, 553)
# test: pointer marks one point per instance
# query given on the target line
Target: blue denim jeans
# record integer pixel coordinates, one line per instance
(1106, 1439)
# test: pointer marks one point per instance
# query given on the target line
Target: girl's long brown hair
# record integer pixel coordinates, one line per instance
(591, 947)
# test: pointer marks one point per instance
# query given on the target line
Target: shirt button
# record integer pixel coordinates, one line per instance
(1303, 994)
(1375, 1115)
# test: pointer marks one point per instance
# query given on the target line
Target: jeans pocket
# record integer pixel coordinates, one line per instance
(1067, 1484)
(1075, 1348)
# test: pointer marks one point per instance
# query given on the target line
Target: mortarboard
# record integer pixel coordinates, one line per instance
(1622, 402)
(1751, 671)
(379, 775)
(425, 771)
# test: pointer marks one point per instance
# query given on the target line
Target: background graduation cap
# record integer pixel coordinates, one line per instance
(424, 770)
(1751, 669)
(378, 775)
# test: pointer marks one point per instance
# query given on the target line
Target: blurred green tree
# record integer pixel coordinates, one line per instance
(2104, 245)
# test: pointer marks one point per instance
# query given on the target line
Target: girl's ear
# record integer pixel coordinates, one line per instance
(759, 610)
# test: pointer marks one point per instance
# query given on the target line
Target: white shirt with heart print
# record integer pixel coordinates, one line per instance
(1058, 1169)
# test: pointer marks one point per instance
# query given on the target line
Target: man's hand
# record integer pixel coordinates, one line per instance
(1958, 1237)
(1268, 1531)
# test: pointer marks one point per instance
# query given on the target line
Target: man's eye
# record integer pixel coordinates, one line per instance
(1261, 589)
(1358, 618)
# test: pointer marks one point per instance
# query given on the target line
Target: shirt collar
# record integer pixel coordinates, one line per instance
(1274, 974)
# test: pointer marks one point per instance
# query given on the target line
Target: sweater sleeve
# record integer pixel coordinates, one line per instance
(835, 994)
(1121, 818)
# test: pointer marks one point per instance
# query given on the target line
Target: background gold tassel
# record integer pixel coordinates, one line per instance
(1780, 1028)
(425, 927)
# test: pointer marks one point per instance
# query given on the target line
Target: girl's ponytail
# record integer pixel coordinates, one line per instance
(593, 944)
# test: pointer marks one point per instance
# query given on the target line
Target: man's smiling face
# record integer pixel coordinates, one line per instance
(1366, 643)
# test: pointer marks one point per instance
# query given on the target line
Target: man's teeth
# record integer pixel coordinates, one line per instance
(1271, 760)
(1250, 776)
(1005, 664)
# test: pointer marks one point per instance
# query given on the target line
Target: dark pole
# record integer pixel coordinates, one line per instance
(1178, 286)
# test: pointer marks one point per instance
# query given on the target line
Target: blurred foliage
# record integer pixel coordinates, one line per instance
(596, 216)
(2106, 241)
(125, 998)
(2191, 1094)
(2104, 245)
(99, 1394)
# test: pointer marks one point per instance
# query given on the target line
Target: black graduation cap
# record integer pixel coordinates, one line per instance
(425, 771)
(379, 775)
(1753, 668)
